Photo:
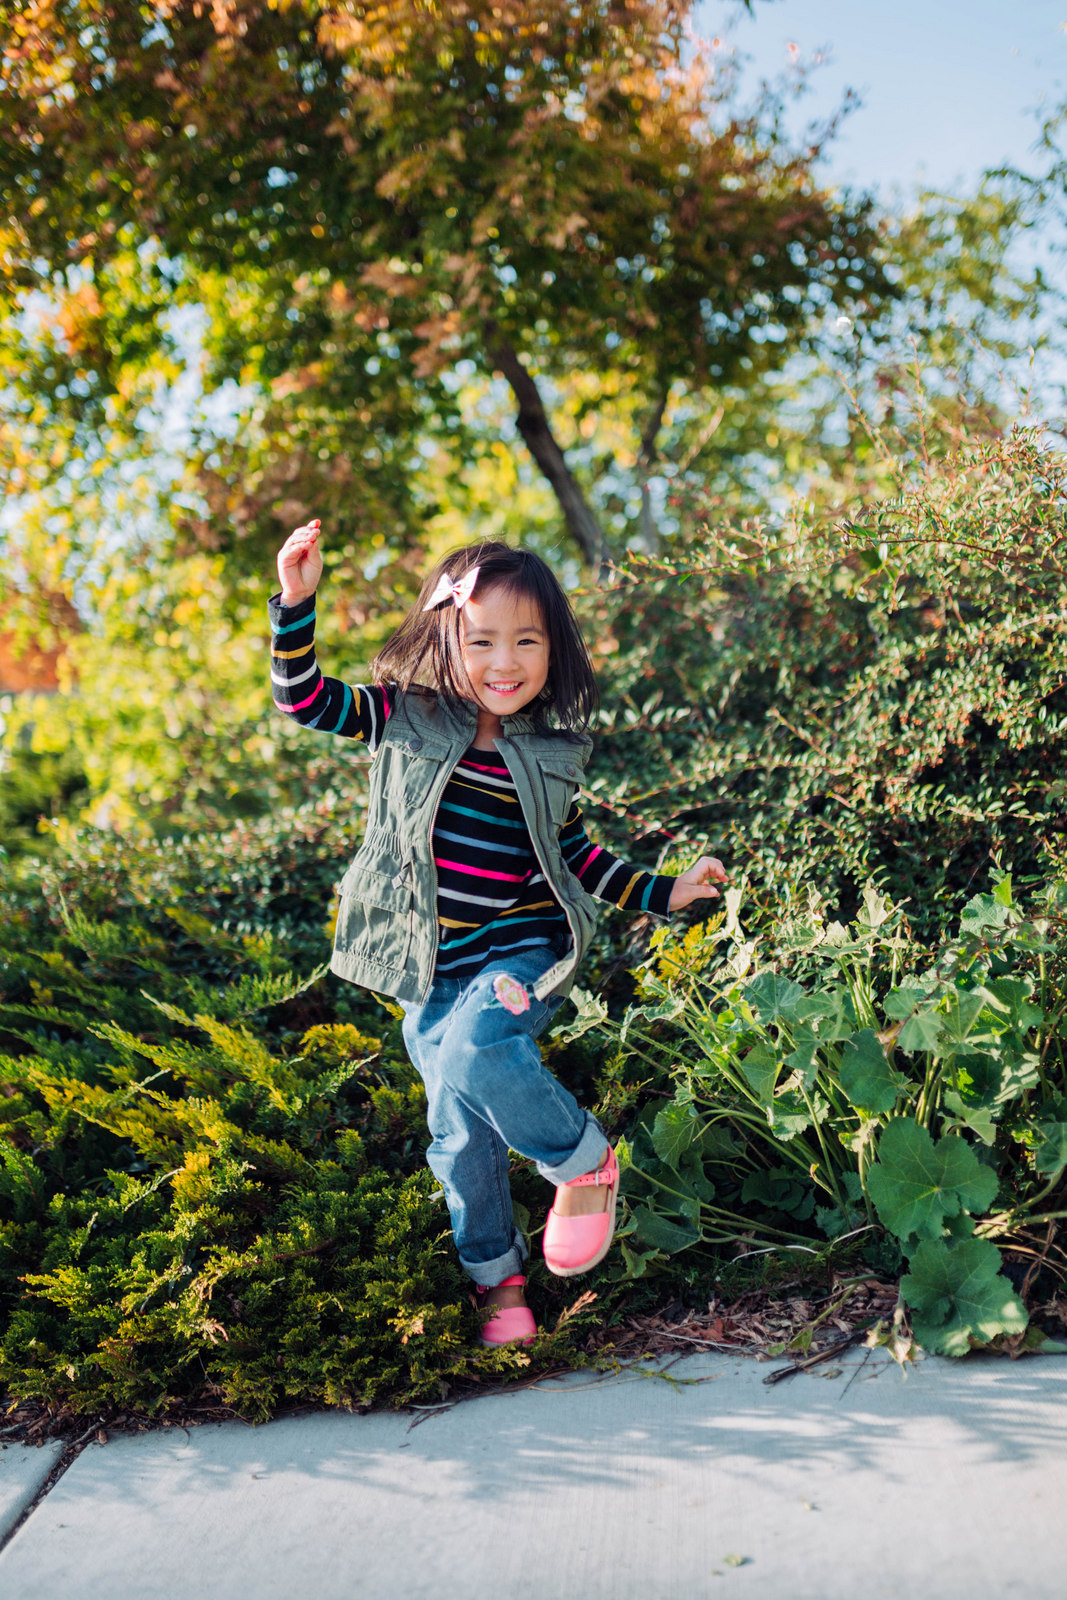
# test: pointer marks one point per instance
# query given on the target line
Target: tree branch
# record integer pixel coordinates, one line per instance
(536, 430)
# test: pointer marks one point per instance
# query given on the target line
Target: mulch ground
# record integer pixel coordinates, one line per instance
(762, 1324)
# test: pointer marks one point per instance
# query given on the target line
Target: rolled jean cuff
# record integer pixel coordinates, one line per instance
(488, 1274)
(585, 1156)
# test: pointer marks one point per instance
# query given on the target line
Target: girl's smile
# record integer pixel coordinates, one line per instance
(505, 655)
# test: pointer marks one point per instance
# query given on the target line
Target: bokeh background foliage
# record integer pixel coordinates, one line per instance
(532, 271)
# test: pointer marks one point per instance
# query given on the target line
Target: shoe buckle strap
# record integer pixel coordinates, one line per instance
(515, 1281)
(605, 1174)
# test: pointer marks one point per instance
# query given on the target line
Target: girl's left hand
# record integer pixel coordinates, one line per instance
(696, 883)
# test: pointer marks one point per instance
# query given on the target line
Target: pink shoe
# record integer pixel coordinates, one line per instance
(507, 1324)
(574, 1244)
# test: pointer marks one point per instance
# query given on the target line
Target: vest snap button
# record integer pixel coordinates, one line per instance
(414, 745)
(571, 772)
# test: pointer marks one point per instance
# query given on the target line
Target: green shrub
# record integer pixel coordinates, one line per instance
(36, 784)
(881, 698)
(857, 1086)
(184, 1206)
(212, 1173)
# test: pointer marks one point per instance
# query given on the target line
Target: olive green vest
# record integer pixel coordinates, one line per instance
(387, 929)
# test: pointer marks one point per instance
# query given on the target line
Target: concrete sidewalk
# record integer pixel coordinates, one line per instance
(951, 1485)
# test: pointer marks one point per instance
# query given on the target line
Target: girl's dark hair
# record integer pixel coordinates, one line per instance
(426, 646)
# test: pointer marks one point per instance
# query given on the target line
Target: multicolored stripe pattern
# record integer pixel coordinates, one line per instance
(301, 691)
(492, 895)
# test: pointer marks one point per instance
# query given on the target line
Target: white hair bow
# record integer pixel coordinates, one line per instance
(459, 592)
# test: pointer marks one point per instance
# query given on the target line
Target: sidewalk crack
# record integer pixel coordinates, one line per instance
(69, 1455)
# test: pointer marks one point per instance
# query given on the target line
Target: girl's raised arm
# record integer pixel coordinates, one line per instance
(356, 711)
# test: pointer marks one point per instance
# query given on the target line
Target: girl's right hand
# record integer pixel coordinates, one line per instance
(300, 564)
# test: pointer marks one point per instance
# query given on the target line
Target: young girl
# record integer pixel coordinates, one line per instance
(469, 898)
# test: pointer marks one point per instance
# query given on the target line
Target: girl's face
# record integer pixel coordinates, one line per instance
(505, 650)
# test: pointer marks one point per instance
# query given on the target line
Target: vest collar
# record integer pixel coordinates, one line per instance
(515, 722)
(518, 722)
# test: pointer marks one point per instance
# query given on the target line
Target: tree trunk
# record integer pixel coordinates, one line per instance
(536, 430)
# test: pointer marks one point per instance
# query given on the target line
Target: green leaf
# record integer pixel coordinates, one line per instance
(962, 1010)
(834, 1221)
(717, 1143)
(781, 1190)
(591, 1012)
(866, 1076)
(691, 1171)
(876, 909)
(983, 914)
(916, 1184)
(979, 1119)
(1050, 1153)
(902, 1001)
(814, 1006)
(992, 1078)
(666, 1011)
(837, 1016)
(672, 1192)
(789, 1114)
(760, 1067)
(637, 1262)
(958, 1297)
(1014, 994)
(673, 1131)
(803, 1059)
(52, 1014)
(662, 1234)
(921, 1032)
(624, 1153)
(771, 996)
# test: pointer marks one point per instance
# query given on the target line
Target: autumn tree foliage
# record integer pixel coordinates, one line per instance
(537, 187)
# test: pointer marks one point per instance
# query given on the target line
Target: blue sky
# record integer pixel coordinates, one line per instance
(949, 87)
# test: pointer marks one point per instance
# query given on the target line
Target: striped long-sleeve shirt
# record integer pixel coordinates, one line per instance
(492, 896)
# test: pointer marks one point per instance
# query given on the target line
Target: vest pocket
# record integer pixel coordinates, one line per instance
(406, 770)
(377, 889)
(560, 777)
(376, 916)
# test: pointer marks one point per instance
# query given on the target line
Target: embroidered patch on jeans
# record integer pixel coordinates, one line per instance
(511, 994)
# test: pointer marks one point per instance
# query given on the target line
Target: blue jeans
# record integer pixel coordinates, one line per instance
(488, 1091)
